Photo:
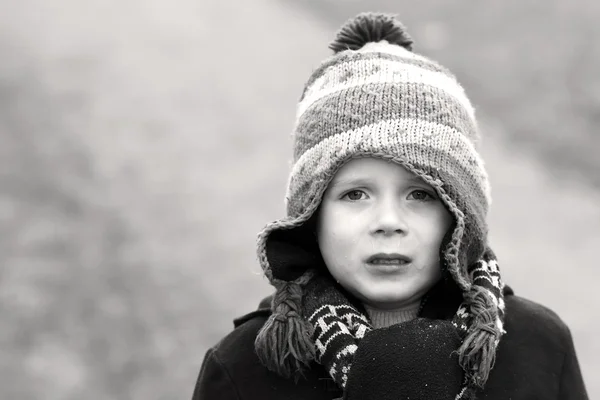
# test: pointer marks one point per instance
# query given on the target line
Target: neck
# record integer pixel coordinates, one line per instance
(382, 318)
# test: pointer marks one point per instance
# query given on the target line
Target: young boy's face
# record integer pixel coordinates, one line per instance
(379, 230)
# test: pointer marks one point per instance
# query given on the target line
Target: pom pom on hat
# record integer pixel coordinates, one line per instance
(371, 27)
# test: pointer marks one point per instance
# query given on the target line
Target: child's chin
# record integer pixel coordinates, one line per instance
(394, 292)
(388, 297)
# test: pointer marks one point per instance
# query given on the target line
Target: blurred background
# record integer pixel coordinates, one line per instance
(144, 144)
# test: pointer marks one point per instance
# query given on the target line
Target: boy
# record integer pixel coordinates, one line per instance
(386, 287)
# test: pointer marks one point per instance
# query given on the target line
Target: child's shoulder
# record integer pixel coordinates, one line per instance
(239, 343)
(533, 321)
(232, 368)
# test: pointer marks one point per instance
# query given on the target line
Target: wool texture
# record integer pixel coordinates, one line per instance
(385, 318)
(375, 97)
(338, 327)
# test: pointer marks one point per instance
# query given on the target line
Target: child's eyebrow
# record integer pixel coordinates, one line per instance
(366, 182)
(350, 182)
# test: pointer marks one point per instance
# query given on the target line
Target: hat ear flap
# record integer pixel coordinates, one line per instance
(292, 252)
(442, 252)
(284, 344)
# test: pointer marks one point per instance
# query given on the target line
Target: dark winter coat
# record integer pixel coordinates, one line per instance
(535, 360)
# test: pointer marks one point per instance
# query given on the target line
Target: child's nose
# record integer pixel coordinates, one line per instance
(390, 219)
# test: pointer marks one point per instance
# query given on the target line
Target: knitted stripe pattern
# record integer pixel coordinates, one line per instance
(393, 106)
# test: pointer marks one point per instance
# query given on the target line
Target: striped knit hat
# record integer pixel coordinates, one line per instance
(375, 97)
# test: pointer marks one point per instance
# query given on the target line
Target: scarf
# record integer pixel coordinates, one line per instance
(339, 325)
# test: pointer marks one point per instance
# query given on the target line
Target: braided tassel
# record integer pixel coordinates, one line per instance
(284, 343)
(480, 320)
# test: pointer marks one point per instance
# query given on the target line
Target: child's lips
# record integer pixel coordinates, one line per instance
(388, 262)
(388, 259)
(382, 261)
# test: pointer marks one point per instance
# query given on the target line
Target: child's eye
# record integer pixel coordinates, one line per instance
(420, 195)
(355, 195)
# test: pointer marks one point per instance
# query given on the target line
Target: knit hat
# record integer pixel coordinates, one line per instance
(375, 97)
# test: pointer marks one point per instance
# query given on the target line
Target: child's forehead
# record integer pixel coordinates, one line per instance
(374, 170)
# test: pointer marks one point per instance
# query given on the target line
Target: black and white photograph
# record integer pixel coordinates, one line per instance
(299, 200)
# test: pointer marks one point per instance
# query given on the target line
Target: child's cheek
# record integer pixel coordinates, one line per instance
(352, 233)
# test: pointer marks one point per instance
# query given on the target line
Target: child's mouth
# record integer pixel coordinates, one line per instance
(383, 261)
(393, 259)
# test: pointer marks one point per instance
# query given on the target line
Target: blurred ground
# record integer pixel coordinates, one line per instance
(144, 144)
